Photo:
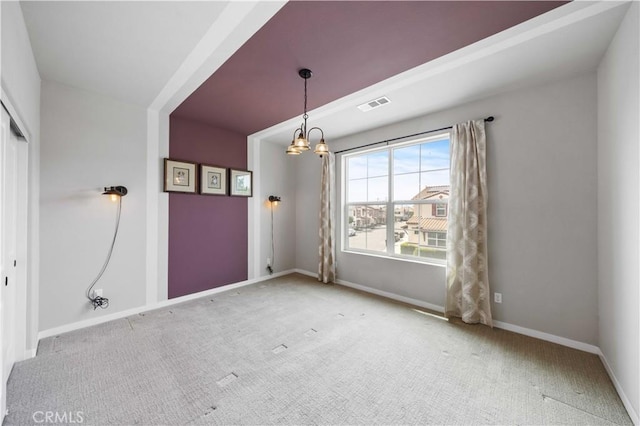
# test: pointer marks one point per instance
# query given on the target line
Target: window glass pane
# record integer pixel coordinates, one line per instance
(425, 233)
(353, 212)
(413, 236)
(434, 178)
(378, 189)
(421, 211)
(401, 215)
(357, 190)
(433, 252)
(357, 167)
(420, 184)
(406, 160)
(406, 186)
(369, 227)
(378, 164)
(434, 155)
(435, 246)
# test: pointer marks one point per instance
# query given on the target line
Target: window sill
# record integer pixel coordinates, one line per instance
(430, 262)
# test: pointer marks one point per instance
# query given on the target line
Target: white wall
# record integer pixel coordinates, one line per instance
(88, 142)
(307, 175)
(276, 170)
(20, 78)
(21, 89)
(618, 208)
(542, 210)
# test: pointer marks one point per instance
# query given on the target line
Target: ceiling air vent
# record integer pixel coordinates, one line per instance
(376, 103)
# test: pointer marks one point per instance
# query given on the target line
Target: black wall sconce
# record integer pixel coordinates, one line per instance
(115, 191)
(274, 199)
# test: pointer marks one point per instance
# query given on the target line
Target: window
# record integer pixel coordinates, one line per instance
(396, 200)
(437, 239)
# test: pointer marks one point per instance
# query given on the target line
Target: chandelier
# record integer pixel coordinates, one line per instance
(300, 140)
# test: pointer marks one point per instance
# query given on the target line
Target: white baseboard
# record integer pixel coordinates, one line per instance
(275, 275)
(91, 322)
(305, 272)
(625, 400)
(586, 347)
(134, 311)
(498, 324)
(392, 296)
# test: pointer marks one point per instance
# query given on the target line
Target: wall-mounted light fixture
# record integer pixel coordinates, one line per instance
(274, 200)
(115, 192)
(301, 141)
(97, 301)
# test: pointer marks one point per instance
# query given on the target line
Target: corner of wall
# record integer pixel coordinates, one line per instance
(276, 177)
(618, 205)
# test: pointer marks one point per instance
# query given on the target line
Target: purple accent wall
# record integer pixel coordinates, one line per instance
(207, 234)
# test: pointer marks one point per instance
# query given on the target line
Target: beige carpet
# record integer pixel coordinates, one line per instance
(293, 351)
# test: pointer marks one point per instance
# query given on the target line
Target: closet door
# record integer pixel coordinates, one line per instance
(8, 252)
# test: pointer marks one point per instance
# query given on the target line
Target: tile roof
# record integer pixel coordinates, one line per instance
(431, 191)
(429, 223)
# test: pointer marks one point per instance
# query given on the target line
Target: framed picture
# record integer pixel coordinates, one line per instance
(179, 176)
(213, 180)
(241, 183)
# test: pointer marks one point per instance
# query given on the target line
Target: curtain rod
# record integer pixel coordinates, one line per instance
(487, 120)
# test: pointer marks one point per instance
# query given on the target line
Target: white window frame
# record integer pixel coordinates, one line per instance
(389, 203)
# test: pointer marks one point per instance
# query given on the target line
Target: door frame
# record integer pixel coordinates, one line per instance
(20, 344)
(28, 239)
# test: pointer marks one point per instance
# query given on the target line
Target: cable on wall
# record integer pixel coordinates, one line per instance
(273, 247)
(274, 200)
(116, 193)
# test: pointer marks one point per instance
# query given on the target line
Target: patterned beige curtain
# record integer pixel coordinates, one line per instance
(468, 295)
(327, 250)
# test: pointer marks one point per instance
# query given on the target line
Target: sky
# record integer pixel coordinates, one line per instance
(414, 167)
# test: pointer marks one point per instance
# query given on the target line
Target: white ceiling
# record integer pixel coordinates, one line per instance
(566, 41)
(126, 50)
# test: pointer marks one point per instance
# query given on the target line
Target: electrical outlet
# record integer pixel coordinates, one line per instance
(97, 293)
(497, 297)
(268, 261)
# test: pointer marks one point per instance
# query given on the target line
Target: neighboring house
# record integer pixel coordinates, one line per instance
(428, 225)
(367, 216)
(402, 214)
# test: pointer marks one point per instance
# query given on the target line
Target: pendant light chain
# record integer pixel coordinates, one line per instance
(305, 116)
